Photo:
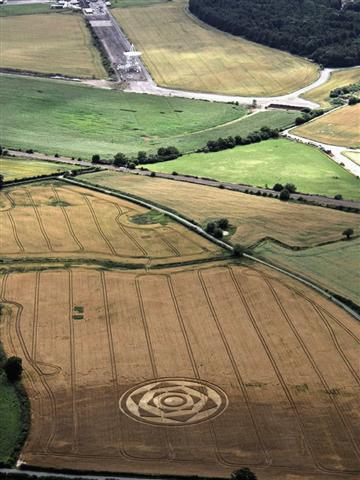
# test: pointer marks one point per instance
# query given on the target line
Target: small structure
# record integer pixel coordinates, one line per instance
(132, 61)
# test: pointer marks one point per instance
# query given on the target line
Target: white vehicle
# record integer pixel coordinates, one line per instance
(108, 4)
(88, 11)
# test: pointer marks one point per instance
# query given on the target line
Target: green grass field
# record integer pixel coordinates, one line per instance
(267, 163)
(50, 43)
(77, 120)
(30, 9)
(335, 266)
(10, 419)
(182, 53)
(18, 168)
(134, 3)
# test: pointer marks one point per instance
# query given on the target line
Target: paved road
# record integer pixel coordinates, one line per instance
(292, 99)
(322, 200)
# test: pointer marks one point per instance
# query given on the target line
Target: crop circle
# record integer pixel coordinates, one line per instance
(173, 402)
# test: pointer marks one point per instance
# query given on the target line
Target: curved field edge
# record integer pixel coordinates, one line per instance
(338, 78)
(269, 162)
(181, 53)
(14, 407)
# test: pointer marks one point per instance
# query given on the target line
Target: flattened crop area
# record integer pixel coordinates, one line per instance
(49, 43)
(182, 53)
(50, 221)
(185, 371)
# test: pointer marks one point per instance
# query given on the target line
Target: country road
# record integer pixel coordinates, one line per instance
(242, 188)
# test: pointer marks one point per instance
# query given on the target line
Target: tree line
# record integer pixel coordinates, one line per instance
(326, 31)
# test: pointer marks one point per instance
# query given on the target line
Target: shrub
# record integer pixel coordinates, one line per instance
(243, 474)
(218, 233)
(338, 197)
(238, 250)
(95, 158)
(152, 174)
(284, 195)
(174, 173)
(290, 187)
(13, 368)
(210, 227)
(56, 155)
(223, 223)
(278, 187)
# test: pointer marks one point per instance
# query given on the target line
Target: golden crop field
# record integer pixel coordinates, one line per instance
(49, 43)
(52, 220)
(185, 371)
(254, 218)
(180, 52)
(340, 127)
(354, 156)
(339, 78)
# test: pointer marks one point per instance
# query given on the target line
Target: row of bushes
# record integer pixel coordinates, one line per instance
(265, 133)
(340, 95)
(163, 154)
(307, 115)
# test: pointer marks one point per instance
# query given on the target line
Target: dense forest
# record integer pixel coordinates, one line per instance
(326, 31)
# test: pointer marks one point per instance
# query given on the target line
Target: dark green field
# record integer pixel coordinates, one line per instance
(76, 120)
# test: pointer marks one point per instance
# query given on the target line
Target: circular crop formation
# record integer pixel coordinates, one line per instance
(172, 402)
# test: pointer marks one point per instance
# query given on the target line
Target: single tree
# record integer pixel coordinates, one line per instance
(142, 157)
(95, 158)
(13, 368)
(243, 474)
(284, 195)
(348, 233)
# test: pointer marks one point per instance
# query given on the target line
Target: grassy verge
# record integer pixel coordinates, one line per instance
(267, 163)
(9, 10)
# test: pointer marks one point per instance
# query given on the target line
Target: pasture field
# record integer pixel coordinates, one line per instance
(254, 218)
(52, 220)
(49, 44)
(340, 127)
(134, 3)
(185, 371)
(29, 9)
(267, 163)
(12, 168)
(354, 156)
(330, 266)
(85, 120)
(339, 78)
(182, 53)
